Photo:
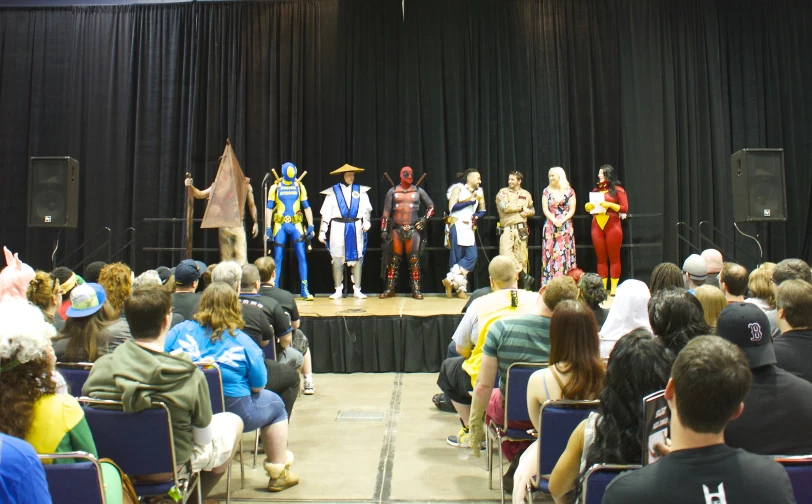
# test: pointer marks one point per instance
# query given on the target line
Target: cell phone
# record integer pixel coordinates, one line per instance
(514, 298)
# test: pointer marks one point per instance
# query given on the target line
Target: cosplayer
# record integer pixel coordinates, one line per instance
(227, 196)
(607, 234)
(287, 201)
(402, 231)
(515, 206)
(345, 212)
(466, 203)
(558, 240)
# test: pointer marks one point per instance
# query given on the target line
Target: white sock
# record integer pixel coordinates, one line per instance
(308, 377)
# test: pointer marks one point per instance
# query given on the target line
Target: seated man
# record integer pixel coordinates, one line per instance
(778, 407)
(788, 269)
(458, 374)
(793, 349)
(267, 277)
(713, 259)
(185, 298)
(733, 281)
(708, 382)
(139, 373)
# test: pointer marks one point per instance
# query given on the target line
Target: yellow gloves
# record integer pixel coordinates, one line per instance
(610, 206)
(476, 425)
(589, 207)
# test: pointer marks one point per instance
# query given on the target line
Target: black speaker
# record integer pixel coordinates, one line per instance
(759, 189)
(53, 192)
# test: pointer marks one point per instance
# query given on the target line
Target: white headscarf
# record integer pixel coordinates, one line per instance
(628, 312)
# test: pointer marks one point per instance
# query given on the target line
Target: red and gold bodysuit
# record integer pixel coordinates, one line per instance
(607, 235)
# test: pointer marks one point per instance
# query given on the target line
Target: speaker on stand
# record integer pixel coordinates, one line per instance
(53, 195)
(758, 188)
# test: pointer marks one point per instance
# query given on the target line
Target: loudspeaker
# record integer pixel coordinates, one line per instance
(53, 192)
(759, 189)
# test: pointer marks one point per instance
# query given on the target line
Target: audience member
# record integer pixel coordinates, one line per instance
(733, 282)
(788, 269)
(708, 382)
(666, 276)
(793, 349)
(205, 277)
(117, 280)
(576, 371)
(713, 260)
(256, 324)
(593, 293)
(140, 374)
(760, 285)
(86, 335)
(638, 366)
(185, 298)
(68, 280)
(629, 311)
(14, 278)
(32, 410)
(675, 318)
(267, 278)
(92, 271)
(215, 334)
(478, 293)
(713, 301)
(151, 277)
(165, 273)
(458, 374)
(44, 293)
(778, 407)
(22, 478)
(696, 271)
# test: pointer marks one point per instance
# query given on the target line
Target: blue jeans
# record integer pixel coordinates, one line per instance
(257, 410)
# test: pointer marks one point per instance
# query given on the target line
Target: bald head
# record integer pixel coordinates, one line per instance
(502, 271)
(713, 258)
(733, 280)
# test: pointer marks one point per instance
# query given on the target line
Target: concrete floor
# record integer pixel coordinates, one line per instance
(390, 447)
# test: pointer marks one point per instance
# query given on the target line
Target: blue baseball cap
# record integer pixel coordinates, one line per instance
(85, 300)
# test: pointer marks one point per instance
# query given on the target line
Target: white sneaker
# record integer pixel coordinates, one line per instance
(309, 388)
(357, 293)
(337, 294)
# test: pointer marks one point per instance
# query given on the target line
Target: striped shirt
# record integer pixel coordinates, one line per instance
(523, 338)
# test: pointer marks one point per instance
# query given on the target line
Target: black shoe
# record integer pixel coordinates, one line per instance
(442, 404)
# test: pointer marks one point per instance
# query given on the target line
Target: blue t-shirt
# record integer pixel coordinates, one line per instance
(22, 478)
(240, 359)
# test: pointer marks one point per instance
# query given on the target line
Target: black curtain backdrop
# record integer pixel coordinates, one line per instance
(664, 91)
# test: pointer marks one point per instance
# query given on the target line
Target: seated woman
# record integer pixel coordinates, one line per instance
(676, 316)
(629, 311)
(638, 366)
(713, 301)
(761, 287)
(666, 276)
(215, 334)
(45, 293)
(593, 293)
(86, 335)
(68, 280)
(50, 422)
(575, 371)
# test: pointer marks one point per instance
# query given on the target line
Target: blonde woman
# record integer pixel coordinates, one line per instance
(761, 287)
(558, 240)
(713, 301)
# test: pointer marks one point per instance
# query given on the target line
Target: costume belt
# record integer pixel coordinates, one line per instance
(518, 225)
(405, 227)
(346, 220)
(453, 220)
(296, 219)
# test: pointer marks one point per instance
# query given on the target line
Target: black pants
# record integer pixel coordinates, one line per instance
(284, 380)
(454, 381)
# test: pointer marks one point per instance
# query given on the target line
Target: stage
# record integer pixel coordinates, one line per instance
(379, 335)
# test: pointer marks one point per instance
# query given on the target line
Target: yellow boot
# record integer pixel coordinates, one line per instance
(281, 476)
(604, 282)
(614, 286)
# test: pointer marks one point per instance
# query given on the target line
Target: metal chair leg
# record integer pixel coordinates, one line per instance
(242, 467)
(228, 484)
(501, 470)
(256, 449)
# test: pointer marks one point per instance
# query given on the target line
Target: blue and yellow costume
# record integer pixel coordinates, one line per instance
(287, 202)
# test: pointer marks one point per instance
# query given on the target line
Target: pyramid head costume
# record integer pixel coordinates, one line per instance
(225, 210)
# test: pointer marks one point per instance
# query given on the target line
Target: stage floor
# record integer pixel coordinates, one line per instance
(400, 306)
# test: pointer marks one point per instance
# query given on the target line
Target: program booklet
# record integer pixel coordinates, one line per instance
(656, 420)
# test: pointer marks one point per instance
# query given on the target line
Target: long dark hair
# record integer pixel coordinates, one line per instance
(574, 341)
(611, 178)
(20, 388)
(87, 337)
(676, 316)
(638, 366)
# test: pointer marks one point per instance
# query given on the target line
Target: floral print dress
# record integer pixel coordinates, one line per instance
(558, 244)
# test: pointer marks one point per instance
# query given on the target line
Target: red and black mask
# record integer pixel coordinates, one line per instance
(406, 177)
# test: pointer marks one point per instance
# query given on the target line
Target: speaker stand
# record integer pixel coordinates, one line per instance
(760, 251)
(56, 247)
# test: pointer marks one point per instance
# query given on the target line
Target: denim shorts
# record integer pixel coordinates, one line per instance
(258, 409)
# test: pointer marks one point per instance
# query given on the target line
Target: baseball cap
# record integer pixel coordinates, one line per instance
(165, 273)
(695, 266)
(85, 300)
(746, 326)
(188, 271)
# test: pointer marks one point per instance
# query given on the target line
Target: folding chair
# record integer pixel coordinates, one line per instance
(75, 375)
(76, 483)
(141, 444)
(518, 375)
(598, 477)
(557, 421)
(799, 469)
(214, 379)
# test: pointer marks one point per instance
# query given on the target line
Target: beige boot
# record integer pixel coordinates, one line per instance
(281, 476)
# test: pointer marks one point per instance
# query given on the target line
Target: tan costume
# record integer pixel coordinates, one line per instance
(513, 240)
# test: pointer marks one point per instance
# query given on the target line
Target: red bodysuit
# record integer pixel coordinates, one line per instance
(607, 235)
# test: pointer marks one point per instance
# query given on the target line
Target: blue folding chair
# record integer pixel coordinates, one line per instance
(141, 443)
(557, 421)
(75, 375)
(214, 379)
(518, 374)
(799, 469)
(598, 477)
(76, 483)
